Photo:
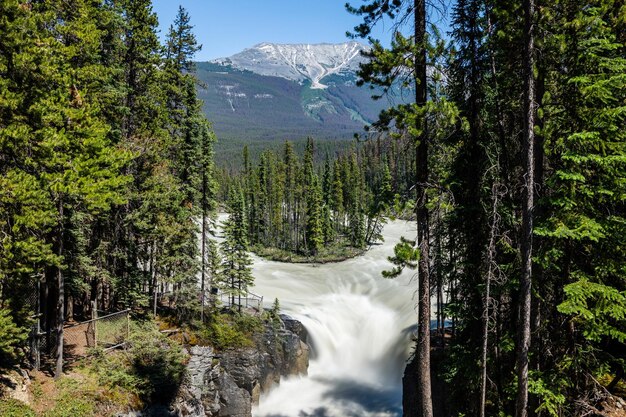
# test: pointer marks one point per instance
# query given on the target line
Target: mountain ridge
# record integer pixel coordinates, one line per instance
(298, 62)
(272, 92)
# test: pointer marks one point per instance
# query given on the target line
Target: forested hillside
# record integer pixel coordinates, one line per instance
(270, 93)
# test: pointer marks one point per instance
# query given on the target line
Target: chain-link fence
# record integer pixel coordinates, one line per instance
(78, 339)
(112, 330)
(108, 331)
(251, 302)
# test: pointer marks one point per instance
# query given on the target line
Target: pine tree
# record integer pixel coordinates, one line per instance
(337, 198)
(289, 162)
(357, 226)
(584, 233)
(470, 175)
(212, 267)
(208, 189)
(527, 215)
(141, 63)
(314, 232)
(236, 273)
(327, 225)
(379, 71)
(327, 181)
(74, 164)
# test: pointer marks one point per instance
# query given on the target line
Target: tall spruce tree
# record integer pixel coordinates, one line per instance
(236, 274)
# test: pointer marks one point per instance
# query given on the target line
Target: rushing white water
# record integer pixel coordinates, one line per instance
(359, 326)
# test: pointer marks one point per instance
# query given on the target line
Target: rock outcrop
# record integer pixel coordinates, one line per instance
(227, 384)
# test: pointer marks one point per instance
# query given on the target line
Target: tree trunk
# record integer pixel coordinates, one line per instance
(154, 283)
(504, 154)
(60, 296)
(491, 253)
(203, 271)
(527, 213)
(538, 214)
(421, 162)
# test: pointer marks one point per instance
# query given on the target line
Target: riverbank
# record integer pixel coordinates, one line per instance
(328, 254)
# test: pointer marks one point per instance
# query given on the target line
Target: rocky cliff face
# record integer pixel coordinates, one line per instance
(227, 384)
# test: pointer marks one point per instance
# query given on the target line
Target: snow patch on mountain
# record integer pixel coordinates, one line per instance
(299, 62)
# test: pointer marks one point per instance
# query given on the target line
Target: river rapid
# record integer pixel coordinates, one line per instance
(359, 326)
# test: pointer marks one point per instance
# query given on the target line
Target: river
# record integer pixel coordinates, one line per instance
(359, 326)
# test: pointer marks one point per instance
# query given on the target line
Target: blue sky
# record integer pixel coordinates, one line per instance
(225, 27)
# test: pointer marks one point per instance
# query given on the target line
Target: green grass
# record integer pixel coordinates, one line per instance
(14, 408)
(75, 399)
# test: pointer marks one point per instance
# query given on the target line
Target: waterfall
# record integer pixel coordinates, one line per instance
(359, 326)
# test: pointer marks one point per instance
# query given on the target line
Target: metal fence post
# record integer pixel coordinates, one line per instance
(94, 317)
(37, 340)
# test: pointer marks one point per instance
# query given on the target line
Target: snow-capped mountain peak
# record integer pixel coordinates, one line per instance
(298, 62)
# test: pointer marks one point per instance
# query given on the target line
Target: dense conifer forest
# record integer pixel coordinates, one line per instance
(510, 158)
(518, 136)
(106, 161)
(323, 209)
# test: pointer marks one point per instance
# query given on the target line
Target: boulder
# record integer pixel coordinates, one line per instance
(209, 391)
(233, 400)
(296, 355)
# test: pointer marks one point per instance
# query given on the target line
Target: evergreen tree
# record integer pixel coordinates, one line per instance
(528, 149)
(379, 71)
(72, 163)
(337, 197)
(357, 227)
(327, 181)
(314, 232)
(97, 203)
(289, 162)
(185, 110)
(212, 266)
(236, 273)
(583, 234)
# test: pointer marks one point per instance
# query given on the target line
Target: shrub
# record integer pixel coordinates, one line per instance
(226, 331)
(114, 372)
(11, 336)
(156, 362)
(249, 325)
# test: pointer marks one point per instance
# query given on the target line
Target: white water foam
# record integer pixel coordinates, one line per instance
(359, 326)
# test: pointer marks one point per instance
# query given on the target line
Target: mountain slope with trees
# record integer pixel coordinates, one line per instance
(287, 92)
